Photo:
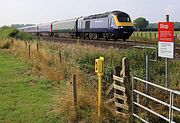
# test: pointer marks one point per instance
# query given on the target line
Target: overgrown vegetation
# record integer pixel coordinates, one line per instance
(79, 60)
(7, 32)
(12, 32)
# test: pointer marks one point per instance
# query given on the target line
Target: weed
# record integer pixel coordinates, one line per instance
(6, 45)
(79, 60)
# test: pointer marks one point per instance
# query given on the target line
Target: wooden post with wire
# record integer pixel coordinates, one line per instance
(37, 45)
(60, 56)
(29, 51)
(75, 98)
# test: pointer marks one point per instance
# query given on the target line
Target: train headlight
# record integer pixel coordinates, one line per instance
(121, 27)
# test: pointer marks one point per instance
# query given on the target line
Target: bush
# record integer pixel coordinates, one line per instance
(11, 32)
(25, 36)
(8, 32)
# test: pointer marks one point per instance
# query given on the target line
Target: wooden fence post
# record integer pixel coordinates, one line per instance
(26, 44)
(150, 35)
(121, 87)
(75, 97)
(60, 57)
(117, 70)
(176, 37)
(37, 45)
(29, 51)
(127, 79)
(145, 35)
(154, 35)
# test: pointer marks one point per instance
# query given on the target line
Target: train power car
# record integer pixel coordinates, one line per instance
(110, 25)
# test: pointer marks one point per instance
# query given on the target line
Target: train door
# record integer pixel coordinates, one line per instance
(111, 22)
(87, 25)
(76, 26)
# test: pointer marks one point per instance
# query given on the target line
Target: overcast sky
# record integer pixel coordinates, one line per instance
(42, 11)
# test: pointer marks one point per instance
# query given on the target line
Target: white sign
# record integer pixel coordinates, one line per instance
(166, 49)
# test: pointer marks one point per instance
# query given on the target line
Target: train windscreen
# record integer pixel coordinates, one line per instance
(123, 17)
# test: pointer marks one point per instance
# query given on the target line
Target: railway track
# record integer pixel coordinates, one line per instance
(110, 43)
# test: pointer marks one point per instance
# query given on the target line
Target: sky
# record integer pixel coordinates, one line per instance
(42, 11)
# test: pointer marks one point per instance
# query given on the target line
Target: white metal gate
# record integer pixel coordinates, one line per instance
(170, 105)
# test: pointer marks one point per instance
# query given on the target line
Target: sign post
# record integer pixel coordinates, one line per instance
(99, 69)
(166, 43)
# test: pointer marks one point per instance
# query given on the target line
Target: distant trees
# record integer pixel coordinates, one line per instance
(140, 23)
(154, 27)
(177, 25)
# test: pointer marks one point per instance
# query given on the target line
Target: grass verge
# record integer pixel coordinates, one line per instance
(23, 98)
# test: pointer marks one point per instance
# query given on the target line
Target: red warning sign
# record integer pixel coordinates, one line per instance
(166, 31)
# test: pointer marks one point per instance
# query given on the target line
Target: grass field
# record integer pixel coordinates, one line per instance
(23, 98)
(151, 36)
(177, 32)
(155, 32)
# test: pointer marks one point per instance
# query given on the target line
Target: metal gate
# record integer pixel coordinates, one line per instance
(136, 104)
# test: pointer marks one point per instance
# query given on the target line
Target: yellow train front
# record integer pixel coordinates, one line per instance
(121, 25)
(110, 25)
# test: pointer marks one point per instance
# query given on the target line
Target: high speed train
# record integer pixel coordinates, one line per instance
(110, 25)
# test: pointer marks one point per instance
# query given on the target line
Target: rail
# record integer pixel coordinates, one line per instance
(137, 104)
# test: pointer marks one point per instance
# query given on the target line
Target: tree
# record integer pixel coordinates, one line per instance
(140, 23)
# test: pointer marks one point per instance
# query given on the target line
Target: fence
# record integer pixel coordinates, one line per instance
(119, 90)
(135, 101)
(120, 96)
(150, 36)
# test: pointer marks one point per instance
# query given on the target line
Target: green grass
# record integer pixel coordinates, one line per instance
(175, 32)
(150, 36)
(22, 98)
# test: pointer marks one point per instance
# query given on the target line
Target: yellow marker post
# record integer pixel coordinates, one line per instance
(99, 69)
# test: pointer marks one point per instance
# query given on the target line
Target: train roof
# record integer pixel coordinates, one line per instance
(106, 14)
(67, 20)
(45, 24)
(26, 27)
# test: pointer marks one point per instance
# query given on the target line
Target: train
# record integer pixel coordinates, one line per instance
(109, 25)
